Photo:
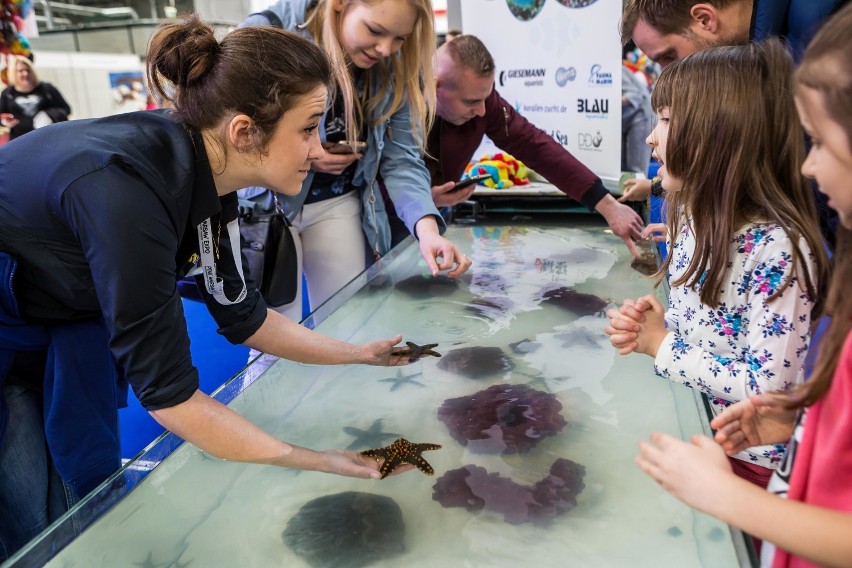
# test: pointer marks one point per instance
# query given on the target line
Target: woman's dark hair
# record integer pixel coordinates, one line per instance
(259, 71)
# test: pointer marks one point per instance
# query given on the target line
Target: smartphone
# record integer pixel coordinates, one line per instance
(344, 147)
(469, 181)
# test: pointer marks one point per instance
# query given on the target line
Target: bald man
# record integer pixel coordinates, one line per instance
(470, 107)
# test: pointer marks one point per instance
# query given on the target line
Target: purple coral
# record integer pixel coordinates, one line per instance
(504, 419)
(473, 488)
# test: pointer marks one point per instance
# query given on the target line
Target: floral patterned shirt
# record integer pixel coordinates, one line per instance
(748, 345)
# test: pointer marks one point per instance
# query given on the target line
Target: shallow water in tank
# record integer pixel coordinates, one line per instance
(534, 294)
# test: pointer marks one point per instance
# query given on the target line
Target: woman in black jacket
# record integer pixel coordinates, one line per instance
(27, 103)
(98, 219)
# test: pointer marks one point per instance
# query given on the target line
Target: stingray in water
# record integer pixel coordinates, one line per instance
(426, 286)
(504, 419)
(491, 307)
(346, 530)
(577, 302)
(580, 337)
(473, 488)
(476, 362)
(524, 346)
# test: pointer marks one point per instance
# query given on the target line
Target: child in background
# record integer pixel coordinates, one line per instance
(746, 262)
(812, 525)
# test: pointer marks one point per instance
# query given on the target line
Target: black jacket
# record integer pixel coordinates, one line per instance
(101, 215)
(45, 97)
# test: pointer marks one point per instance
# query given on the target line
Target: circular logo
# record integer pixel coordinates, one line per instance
(525, 9)
(576, 3)
(564, 75)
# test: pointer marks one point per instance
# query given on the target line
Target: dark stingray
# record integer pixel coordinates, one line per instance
(490, 308)
(577, 302)
(581, 256)
(425, 286)
(346, 530)
(580, 337)
(473, 488)
(525, 346)
(476, 362)
(489, 282)
(504, 419)
(645, 263)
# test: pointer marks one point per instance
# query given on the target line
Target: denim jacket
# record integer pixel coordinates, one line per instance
(392, 153)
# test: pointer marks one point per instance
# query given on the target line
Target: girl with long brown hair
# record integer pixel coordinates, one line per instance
(747, 262)
(807, 512)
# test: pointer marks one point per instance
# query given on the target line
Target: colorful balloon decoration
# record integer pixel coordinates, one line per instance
(12, 42)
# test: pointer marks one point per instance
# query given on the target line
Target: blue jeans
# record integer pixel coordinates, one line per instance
(32, 495)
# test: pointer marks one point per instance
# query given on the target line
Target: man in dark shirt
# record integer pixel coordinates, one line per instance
(469, 107)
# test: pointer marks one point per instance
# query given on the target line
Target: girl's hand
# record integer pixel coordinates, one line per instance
(656, 232)
(653, 330)
(623, 328)
(334, 163)
(379, 353)
(636, 190)
(756, 421)
(353, 464)
(433, 246)
(693, 472)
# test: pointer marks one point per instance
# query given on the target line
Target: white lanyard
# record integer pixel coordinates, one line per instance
(215, 285)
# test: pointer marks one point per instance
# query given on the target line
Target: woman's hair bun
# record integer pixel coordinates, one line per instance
(187, 52)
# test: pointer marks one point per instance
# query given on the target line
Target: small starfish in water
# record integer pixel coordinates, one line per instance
(401, 379)
(373, 435)
(400, 452)
(415, 352)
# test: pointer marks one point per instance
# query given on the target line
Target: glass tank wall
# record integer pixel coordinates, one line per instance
(537, 417)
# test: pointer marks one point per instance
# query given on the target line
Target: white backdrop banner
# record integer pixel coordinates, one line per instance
(559, 63)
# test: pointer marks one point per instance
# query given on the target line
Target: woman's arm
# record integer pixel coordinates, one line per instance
(282, 337)
(404, 172)
(698, 474)
(408, 184)
(223, 433)
(56, 108)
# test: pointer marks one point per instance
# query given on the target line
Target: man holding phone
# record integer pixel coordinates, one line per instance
(469, 107)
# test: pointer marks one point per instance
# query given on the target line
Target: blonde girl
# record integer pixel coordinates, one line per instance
(382, 103)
